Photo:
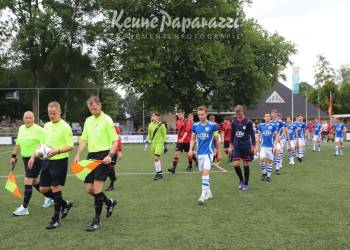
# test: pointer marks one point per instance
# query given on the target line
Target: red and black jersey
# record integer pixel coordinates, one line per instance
(183, 126)
(226, 128)
(117, 130)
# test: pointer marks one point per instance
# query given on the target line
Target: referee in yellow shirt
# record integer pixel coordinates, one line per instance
(102, 141)
(58, 136)
(29, 137)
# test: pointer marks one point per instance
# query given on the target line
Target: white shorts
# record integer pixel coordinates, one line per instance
(205, 161)
(266, 153)
(339, 139)
(292, 144)
(281, 145)
(301, 141)
(315, 138)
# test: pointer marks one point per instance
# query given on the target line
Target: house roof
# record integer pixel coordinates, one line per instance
(280, 98)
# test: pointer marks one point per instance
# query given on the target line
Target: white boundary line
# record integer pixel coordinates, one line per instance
(5, 152)
(196, 172)
(218, 166)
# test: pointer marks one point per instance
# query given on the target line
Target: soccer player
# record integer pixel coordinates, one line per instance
(59, 136)
(102, 141)
(292, 136)
(281, 131)
(29, 137)
(316, 138)
(243, 141)
(226, 134)
(301, 127)
(206, 134)
(340, 131)
(117, 156)
(267, 132)
(156, 136)
(183, 127)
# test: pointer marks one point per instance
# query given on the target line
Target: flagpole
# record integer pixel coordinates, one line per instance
(306, 107)
(319, 105)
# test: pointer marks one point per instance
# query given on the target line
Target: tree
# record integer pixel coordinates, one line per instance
(184, 73)
(323, 71)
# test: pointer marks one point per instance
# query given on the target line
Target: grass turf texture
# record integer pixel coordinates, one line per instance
(307, 207)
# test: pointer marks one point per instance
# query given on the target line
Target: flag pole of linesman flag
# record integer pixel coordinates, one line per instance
(330, 104)
(11, 185)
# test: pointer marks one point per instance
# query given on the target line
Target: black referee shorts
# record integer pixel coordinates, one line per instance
(35, 171)
(101, 172)
(53, 172)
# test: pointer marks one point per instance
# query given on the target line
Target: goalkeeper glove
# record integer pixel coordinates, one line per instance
(165, 148)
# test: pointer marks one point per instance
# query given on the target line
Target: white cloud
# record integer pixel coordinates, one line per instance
(316, 27)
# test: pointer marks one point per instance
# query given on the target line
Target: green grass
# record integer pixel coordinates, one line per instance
(307, 207)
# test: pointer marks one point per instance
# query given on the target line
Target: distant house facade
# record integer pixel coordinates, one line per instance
(280, 98)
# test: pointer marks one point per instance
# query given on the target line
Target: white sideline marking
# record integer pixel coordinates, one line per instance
(218, 166)
(5, 152)
(69, 175)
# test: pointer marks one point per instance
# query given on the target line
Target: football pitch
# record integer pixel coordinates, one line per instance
(307, 207)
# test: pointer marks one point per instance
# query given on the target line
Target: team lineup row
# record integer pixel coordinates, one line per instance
(200, 140)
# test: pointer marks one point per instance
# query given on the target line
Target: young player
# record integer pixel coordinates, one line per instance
(102, 141)
(205, 134)
(59, 136)
(340, 131)
(301, 127)
(29, 137)
(267, 132)
(281, 131)
(243, 141)
(117, 157)
(226, 134)
(183, 127)
(291, 138)
(156, 136)
(316, 138)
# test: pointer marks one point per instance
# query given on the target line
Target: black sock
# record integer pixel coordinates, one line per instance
(112, 176)
(28, 190)
(239, 173)
(246, 175)
(190, 161)
(99, 199)
(37, 187)
(48, 194)
(175, 161)
(194, 158)
(105, 199)
(57, 197)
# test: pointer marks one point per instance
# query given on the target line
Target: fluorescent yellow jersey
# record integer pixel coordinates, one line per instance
(99, 133)
(58, 135)
(28, 139)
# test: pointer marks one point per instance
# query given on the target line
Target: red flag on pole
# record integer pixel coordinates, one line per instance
(330, 105)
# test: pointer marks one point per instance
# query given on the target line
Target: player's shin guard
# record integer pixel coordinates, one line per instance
(158, 167)
(336, 150)
(57, 197)
(99, 198)
(246, 175)
(291, 155)
(28, 190)
(263, 167)
(205, 184)
(239, 173)
(269, 169)
(175, 161)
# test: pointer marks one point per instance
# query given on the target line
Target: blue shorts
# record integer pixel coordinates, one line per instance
(244, 154)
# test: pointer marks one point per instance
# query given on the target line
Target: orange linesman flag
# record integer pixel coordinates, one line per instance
(84, 167)
(12, 187)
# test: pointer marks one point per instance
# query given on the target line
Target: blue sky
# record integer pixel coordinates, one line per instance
(316, 27)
